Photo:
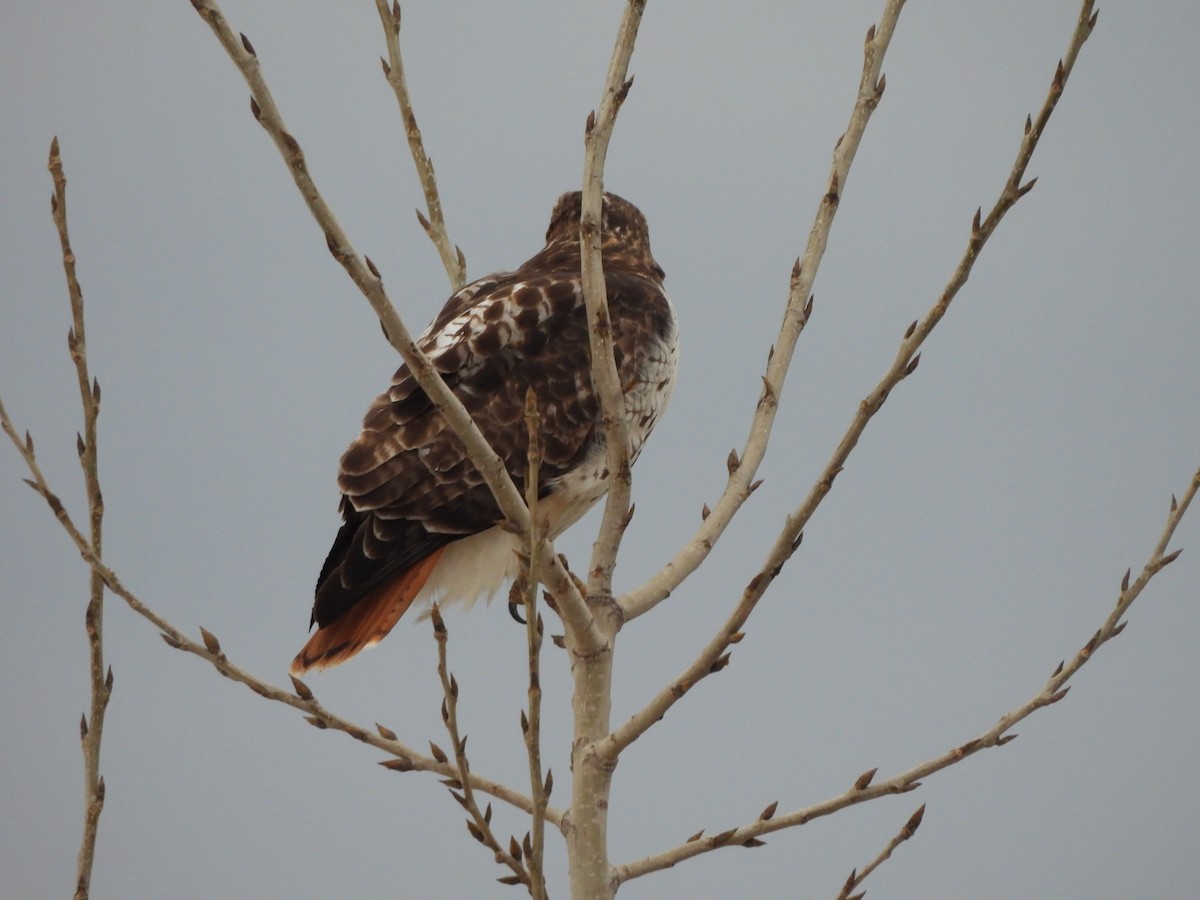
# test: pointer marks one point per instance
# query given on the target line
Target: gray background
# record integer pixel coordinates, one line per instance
(977, 537)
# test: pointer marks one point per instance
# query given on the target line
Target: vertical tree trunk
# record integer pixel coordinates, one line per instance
(591, 776)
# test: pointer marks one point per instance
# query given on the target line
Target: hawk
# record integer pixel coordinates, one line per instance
(419, 522)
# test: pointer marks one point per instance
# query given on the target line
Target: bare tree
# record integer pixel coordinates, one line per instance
(591, 614)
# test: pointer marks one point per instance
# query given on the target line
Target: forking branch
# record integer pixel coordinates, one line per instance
(714, 655)
(744, 467)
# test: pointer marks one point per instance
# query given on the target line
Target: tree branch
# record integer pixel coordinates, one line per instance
(480, 823)
(857, 878)
(531, 723)
(743, 468)
(91, 726)
(865, 789)
(907, 357)
(434, 222)
(597, 135)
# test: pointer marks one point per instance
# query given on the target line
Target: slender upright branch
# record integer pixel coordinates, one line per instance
(433, 221)
(591, 702)
(865, 788)
(597, 135)
(531, 722)
(366, 277)
(480, 822)
(908, 356)
(744, 467)
(91, 726)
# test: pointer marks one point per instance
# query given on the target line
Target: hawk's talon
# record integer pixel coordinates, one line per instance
(514, 610)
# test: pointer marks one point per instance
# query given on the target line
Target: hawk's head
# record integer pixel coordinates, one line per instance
(625, 236)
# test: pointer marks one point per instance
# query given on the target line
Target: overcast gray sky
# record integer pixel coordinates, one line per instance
(977, 537)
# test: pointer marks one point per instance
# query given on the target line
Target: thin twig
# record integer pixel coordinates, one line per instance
(366, 277)
(865, 788)
(716, 653)
(744, 467)
(480, 822)
(92, 725)
(856, 877)
(531, 723)
(597, 135)
(433, 221)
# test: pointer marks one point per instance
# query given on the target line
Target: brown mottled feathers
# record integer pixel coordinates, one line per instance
(411, 495)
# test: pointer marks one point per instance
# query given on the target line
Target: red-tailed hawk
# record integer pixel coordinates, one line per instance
(419, 521)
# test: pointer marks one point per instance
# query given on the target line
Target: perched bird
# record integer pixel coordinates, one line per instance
(419, 522)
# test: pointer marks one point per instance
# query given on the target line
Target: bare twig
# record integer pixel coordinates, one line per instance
(366, 277)
(531, 723)
(744, 467)
(480, 822)
(433, 221)
(865, 789)
(597, 135)
(91, 725)
(857, 878)
(1159, 559)
(908, 356)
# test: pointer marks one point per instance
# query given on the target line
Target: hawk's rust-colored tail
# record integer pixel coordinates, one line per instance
(367, 622)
